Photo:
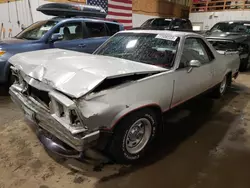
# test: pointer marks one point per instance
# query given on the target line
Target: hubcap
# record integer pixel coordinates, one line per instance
(138, 135)
(223, 85)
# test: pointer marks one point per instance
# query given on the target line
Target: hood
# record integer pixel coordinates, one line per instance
(18, 45)
(150, 27)
(75, 73)
(11, 41)
(226, 36)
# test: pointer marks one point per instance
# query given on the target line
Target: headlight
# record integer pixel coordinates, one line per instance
(2, 52)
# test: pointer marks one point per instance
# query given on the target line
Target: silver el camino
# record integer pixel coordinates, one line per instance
(113, 100)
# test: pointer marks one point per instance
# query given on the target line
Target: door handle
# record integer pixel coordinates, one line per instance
(82, 45)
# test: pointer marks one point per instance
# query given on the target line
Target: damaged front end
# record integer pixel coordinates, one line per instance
(59, 123)
(72, 104)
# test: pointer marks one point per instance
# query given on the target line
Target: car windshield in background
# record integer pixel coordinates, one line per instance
(155, 49)
(157, 23)
(36, 30)
(224, 45)
(238, 27)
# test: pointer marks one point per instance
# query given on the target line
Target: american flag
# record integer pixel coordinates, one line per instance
(119, 10)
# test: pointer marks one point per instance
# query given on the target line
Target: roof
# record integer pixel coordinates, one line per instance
(169, 32)
(235, 21)
(169, 18)
(59, 19)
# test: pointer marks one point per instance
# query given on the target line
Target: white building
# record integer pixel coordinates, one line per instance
(204, 14)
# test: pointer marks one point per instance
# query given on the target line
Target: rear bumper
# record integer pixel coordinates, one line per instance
(50, 132)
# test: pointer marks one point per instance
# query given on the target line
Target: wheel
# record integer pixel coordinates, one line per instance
(133, 135)
(220, 90)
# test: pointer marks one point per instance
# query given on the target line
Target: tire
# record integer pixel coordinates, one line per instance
(220, 90)
(133, 135)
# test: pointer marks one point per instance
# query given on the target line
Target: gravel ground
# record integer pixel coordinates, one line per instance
(206, 144)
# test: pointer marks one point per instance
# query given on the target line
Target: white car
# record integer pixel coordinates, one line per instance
(114, 99)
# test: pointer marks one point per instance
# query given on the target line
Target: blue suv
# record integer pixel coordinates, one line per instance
(74, 33)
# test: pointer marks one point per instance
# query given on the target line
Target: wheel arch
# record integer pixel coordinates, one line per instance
(229, 75)
(120, 116)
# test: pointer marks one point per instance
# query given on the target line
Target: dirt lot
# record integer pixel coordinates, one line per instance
(206, 144)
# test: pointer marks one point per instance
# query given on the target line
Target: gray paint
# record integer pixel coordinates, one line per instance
(103, 109)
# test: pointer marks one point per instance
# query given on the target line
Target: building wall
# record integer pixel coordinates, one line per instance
(207, 19)
(146, 9)
(161, 8)
(10, 17)
(15, 11)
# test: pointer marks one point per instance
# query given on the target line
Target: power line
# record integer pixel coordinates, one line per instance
(17, 15)
(9, 11)
(31, 16)
(26, 12)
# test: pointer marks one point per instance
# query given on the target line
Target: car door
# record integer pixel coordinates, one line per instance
(73, 34)
(97, 34)
(191, 81)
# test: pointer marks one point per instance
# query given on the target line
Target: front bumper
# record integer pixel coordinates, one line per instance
(4, 70)
(51, 133)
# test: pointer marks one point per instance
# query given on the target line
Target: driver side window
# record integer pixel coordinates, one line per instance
(195, 49)
(71, 31)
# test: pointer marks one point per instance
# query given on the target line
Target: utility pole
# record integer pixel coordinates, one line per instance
(31, 16)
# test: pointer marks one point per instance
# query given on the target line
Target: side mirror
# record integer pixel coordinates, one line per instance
(194, 63)
(56, 37)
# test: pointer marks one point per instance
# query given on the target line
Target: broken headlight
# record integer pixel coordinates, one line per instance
(74, 118)
(17, 75)
(64, 110)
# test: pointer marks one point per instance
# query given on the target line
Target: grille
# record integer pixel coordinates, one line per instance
(39, 95)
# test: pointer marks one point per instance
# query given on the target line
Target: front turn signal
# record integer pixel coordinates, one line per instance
(2, 52)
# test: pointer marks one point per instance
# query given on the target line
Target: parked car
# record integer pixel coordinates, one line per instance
(232, 36)
(73, 33)
(113, 99)
(167, 24)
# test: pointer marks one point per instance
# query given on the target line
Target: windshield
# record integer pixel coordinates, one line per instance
(239, 27)
(224, 45)
(157, 23)
(152, 49)
(36, 30)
